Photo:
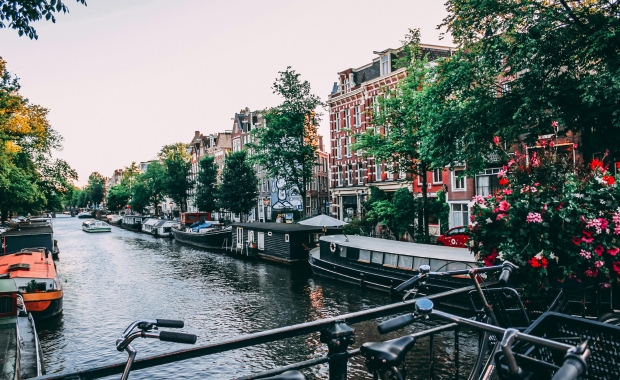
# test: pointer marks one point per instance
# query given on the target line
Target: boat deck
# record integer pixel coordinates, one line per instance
(8, 349)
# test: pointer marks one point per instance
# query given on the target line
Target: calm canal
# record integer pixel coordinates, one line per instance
(112, 279)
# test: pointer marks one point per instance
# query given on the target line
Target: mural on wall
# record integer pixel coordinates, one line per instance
(282, 198)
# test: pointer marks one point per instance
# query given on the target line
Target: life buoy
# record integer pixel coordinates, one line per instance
(453, 241)
(332, 247)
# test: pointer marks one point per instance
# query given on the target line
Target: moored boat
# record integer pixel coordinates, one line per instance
(148, 225)
(35, 275)
(34, 232)
(19, 344)
(115, 219)
(96, 226)
(84, 214)
(132, 222)
(384, 264)
(163, 228)
(210, 235)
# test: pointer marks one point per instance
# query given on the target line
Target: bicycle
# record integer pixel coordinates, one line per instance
(383, 358)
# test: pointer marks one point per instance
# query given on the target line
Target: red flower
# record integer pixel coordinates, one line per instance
(587, 233)
(617, 267)
(599, 250)
(596, 163)
(617, 165)
(489, 260)
(559, 207)
(535, 262)
(609, 179)
(604, 223)
(613, 251)
(503, 181)
(576, 240)
(591, 272)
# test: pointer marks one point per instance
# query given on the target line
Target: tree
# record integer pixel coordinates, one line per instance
(397, 128)
(95, 187)
(520, 66)
(206, 185)
(287, 145)
(118, 197)
(140, 196)
(239, 188)
(18, 14)
(154, 178)
(398, 214)
(129, 175)
(177, 163)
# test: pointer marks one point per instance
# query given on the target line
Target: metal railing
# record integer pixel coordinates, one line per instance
(335, 332)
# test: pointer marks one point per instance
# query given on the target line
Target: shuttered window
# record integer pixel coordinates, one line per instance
(390, 259)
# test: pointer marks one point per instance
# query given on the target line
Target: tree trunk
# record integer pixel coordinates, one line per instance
(423, 166)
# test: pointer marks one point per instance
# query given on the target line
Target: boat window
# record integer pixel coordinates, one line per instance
(390, 259)
(364, 255)
(405, 262)
(377, 257)
(438, 265)
(417, 261)
(456, 266)
(343, 251)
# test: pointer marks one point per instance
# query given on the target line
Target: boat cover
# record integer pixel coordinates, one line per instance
(200, 225)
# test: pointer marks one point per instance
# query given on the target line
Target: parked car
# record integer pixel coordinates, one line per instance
(454, 237)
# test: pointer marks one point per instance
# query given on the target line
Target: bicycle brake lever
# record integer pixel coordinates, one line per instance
(414, 290)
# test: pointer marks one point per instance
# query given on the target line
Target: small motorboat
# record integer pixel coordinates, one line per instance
(96, 226)
(85, 213)
(35, 276)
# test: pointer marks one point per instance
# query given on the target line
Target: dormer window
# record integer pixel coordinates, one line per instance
(385, 64)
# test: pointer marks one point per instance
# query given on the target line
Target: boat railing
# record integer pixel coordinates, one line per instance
(335, 332)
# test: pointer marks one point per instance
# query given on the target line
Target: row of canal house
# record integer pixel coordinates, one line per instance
(354, 94)
(273, 199)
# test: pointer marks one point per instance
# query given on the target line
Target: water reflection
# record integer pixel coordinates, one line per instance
(113, 279)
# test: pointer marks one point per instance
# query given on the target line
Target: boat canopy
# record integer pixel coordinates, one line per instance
(165, 223)
(200, 225)
(151, 222)
(402, 248)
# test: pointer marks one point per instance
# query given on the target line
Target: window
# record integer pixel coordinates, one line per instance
(379, 165)
(419, 261)
(347, 119)
(377, 257)
(437, 175)
(338, 149)
(350, 175)
(458, 177)
(358, 117)
(364, 255)
(337, 121)
(360, 179)
(405, 262)
(390, 259)
(347, 147)
(456, 266)
(339, 175)
(343, 251)
(459, 214)
(487, 183)
(385, 64)
(437, 265)
(375, 105)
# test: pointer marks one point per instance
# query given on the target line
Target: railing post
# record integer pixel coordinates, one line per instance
(338, 337)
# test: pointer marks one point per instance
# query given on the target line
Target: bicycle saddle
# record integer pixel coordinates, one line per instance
(390, 353)
(288, 375)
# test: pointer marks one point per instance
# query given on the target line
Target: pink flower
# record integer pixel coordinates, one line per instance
(591, 272)
(478, 199)
(501, 173)
(504, 206)
(533, 217)
(575, 146)
(500, 216)
(587, 240)
(551, 144)
(586, 254)
(599, 263)
(606, 285)
(613, 251)
(554, 124)
(507, 191)
(603, 223)
(599, 250)
(496, 140)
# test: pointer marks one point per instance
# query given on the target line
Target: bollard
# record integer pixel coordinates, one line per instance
(338, 337)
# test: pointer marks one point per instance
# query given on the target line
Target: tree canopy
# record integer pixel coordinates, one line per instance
(239, 187)
(521, 65)
(177, 164)
(19, 14)
(96, 187)
(206, 185)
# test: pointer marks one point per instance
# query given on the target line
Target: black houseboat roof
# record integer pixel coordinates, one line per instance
(25, 231)
(284, 227)
(402, 248)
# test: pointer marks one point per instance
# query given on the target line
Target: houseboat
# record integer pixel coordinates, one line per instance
(29, 233)
(281, 242)
(132, 222)
(148, 225)
(163, 228)
(384, 264)
(85, 214)
(96, 226)
(35, 276)
(19, 344)
(204, 234)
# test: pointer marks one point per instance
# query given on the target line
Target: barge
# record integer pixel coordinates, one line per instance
(35, 232)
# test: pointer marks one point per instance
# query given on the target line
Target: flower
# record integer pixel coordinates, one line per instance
(489, 259)
(554, 124)
(533, 217)
(501, 173)
(599, 264)
(587, 240)
(504, 206)
(613, 251)
(500, 216)
(507, 191)
(591, 272)
(599, 250)
(575, 146)
(503, 181)
(609, 179)
(496, 140)
(604, 223)
(551, 144)
(616, 267)
(586, 254)
(478, 199)
(489, 220)
(536, 262)
(576, 240)
(596, 164)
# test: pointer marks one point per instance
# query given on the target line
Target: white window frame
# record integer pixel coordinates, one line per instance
(463, 218)
(339, 172)
(384, 64)
(360, 174)
(350, 175)
(440, 171)
(338, 148)
(454, 181)
(378, 170)
(347, 118)
(337, 121)
(348, 147)
(358, 117)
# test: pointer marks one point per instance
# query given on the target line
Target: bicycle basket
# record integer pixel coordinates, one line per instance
(541, 363)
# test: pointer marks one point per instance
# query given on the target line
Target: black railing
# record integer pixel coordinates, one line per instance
(335, 332)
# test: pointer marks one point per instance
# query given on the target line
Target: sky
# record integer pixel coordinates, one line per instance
(122, 78)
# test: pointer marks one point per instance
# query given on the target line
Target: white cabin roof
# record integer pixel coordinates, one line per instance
(150, 222)
(402, 248)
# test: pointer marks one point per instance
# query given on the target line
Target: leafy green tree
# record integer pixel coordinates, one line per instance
(398, 214)
(154, 179)
(239, 187)
(287, 145)
(140, 196)
(95, 187)
(19, 14)
(118, 197)
(206, 185)
(396, 129)
(177, 163)
(520, 66)
(129, 175)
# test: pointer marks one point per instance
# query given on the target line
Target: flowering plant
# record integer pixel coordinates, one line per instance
(551, 218)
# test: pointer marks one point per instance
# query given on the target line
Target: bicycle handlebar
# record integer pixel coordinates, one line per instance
(396, 323)
(177, 337)
(170, 323)
(407, 284)
(506, 271)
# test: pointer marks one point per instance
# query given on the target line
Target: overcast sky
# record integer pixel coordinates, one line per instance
(122, 78)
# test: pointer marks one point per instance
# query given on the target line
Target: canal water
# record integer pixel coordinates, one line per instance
(112, 279)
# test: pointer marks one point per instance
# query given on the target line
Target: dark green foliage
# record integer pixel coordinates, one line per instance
(118, 197)
(155, 182)
(140, 197)
(560, 61)
(206, 185)
(19, 14)
(287, 145)
(95, 187)
(178, 166)
(398, 214)
(239, 187)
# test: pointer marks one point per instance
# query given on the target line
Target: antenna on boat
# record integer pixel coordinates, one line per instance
(346, 238)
